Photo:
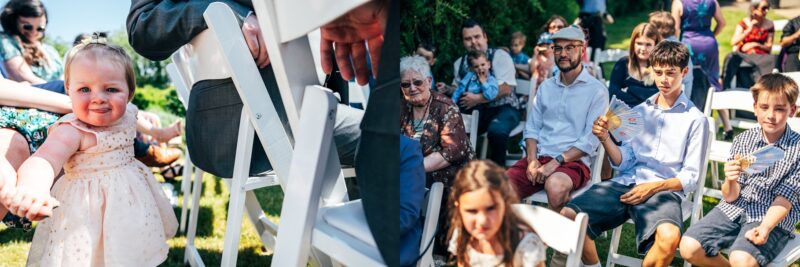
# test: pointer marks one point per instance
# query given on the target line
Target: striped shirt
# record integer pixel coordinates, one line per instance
(758, 191)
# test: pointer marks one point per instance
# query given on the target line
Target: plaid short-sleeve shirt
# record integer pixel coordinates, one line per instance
(759, 190)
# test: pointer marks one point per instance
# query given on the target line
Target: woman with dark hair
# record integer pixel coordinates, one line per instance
(25, 56)
(554, 23)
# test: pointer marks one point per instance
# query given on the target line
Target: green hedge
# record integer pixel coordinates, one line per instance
(439, 21)
(150, 98)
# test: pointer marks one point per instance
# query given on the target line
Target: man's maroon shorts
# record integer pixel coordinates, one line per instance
(576, 170)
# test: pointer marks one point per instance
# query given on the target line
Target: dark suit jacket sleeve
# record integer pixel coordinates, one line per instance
(412, 184)
(618, 75)
(157, 28)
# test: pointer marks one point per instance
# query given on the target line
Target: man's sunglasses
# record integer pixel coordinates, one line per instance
(416, 83)
(29, 27)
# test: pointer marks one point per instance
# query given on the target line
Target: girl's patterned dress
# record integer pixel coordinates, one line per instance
(112, 213)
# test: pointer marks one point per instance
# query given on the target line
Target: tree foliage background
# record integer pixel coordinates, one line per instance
(439, 22)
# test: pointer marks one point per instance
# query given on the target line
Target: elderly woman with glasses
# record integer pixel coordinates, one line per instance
(26, 58)
(432, 119)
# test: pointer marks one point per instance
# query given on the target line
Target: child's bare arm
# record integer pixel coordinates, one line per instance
(162, 134)
(36, 174)
(775, 214)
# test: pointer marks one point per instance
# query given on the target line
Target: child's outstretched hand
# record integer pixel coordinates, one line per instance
(32, 203)
(733, 168)
(758, 235)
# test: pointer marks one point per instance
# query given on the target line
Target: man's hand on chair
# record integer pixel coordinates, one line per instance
(348, 34)
(255, 41)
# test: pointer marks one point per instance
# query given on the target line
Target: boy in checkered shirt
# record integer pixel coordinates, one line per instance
(757, 214)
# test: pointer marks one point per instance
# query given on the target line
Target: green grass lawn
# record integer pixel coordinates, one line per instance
(14, 244)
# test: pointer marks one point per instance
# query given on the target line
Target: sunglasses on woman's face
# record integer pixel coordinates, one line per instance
(29, 27)
(416, 83)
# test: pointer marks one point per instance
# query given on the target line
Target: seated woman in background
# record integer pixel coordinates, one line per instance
(433, 119)
(754, 33)
(26, 57)
(630, 78)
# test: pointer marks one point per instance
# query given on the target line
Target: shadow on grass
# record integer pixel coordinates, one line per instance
(205, 219)
(246, 257)
(8, 236)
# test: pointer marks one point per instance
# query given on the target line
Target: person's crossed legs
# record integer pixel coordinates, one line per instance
(657, 221)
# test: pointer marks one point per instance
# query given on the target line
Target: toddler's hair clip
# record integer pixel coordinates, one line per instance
(96, 38)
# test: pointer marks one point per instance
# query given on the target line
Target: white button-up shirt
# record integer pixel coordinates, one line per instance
(671, 145)
(562, 115)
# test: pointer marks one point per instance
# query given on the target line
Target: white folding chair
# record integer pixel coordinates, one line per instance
(339, 231)
(691, 207)
(558, 232)
(188, 168)
(596, 169)
(608, 55)
(720, 149)
(471, 126)
(432, 208)
(220, 52)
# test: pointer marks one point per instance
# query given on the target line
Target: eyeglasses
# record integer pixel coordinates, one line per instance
(764, 8)
(406, 85)
(29, 27)
(556, 27)
(569, 48)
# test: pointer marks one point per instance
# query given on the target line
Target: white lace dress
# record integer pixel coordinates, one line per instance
(112, 213)
(530, 252)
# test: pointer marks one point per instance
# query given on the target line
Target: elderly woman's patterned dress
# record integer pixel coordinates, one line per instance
(443, 132)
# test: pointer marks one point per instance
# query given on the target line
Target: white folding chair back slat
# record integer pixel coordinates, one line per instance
(308, 168)
(707, 107)
(691, 207)
(471, 126)
(609, 55)
(287, 42)
(720, 149)
(432, 208)
(183, 94)
(558, 232)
